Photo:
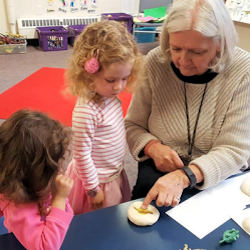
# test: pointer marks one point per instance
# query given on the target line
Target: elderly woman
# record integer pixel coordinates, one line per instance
(188, 124)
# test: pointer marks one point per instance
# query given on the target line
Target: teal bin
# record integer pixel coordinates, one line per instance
(142, 37)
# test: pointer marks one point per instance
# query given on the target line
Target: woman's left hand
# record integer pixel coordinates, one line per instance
(164, 157)
(167, 190)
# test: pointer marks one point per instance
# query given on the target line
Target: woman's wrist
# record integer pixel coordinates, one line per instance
(190, 175)
(197, 172)
(184, 178)
(148, 146)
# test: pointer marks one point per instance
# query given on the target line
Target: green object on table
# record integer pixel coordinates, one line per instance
(158, 12)
(229, 236)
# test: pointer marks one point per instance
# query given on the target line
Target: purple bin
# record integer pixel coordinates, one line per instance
(53, 38)
(120, 17)
(74, 31)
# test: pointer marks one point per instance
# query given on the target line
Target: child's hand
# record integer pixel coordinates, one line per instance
(63, 185)
(96, 201)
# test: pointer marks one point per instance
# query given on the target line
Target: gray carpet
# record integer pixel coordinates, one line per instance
(16, 67)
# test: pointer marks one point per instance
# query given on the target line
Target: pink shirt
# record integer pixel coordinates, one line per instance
(33, 231)
(99, 140)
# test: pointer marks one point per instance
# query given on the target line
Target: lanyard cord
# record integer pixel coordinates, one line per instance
(191, 140)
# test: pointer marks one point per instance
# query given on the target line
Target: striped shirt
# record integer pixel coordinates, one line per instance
(98, 140)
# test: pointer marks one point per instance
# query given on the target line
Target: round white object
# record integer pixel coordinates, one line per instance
(142, 219)
(246, 224)
(245, 186)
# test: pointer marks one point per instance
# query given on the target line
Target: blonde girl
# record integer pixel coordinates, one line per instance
(105, 60)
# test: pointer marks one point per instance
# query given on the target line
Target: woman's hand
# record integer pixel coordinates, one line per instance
(165, 158)
(62, 185)
(96, 201)
(167, 190)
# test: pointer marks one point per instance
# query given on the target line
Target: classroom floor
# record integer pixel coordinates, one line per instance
(16, 67)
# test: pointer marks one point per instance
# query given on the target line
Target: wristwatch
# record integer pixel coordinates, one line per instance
(191, 176)
(92, 192)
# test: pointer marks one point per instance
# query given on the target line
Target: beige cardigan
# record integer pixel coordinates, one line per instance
(157, 111)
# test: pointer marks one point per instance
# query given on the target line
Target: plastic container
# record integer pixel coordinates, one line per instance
(144, 37)
(120, 17)
(74, 31)
(53, 38)
(19, 48)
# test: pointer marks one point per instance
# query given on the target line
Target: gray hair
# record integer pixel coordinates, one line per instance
(211, 19)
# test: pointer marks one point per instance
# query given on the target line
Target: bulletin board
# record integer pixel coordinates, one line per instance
(64, 8)
(71, 6)
(239, 10)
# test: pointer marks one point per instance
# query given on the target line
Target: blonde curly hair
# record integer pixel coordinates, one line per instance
(114, 44)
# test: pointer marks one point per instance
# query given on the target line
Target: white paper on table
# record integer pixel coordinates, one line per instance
(209, 209)
(239, 216)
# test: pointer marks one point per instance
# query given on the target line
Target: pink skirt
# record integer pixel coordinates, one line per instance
(115, 192)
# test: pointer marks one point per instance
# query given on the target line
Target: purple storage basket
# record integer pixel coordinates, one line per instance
(53, 38)
(120, 17)
(74, 31)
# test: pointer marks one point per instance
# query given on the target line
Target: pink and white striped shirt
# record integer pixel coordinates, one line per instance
(98, 140)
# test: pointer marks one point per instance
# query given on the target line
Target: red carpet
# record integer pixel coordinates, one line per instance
(43, 90)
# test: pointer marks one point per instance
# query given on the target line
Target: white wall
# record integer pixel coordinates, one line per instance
(38, 8)
(25, 8)
(130, 6)
(3, 18)
(243, 30)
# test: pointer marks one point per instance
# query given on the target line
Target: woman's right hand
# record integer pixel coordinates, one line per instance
(167, 190)
(165, 158)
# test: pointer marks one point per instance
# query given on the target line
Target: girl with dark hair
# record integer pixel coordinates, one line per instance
(33, 188)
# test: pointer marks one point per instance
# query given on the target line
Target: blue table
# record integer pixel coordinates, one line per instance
(109, 229)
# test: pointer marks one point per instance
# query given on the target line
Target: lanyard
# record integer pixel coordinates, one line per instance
(191, 140)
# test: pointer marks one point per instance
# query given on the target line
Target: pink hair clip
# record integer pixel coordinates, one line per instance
(92, 65)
